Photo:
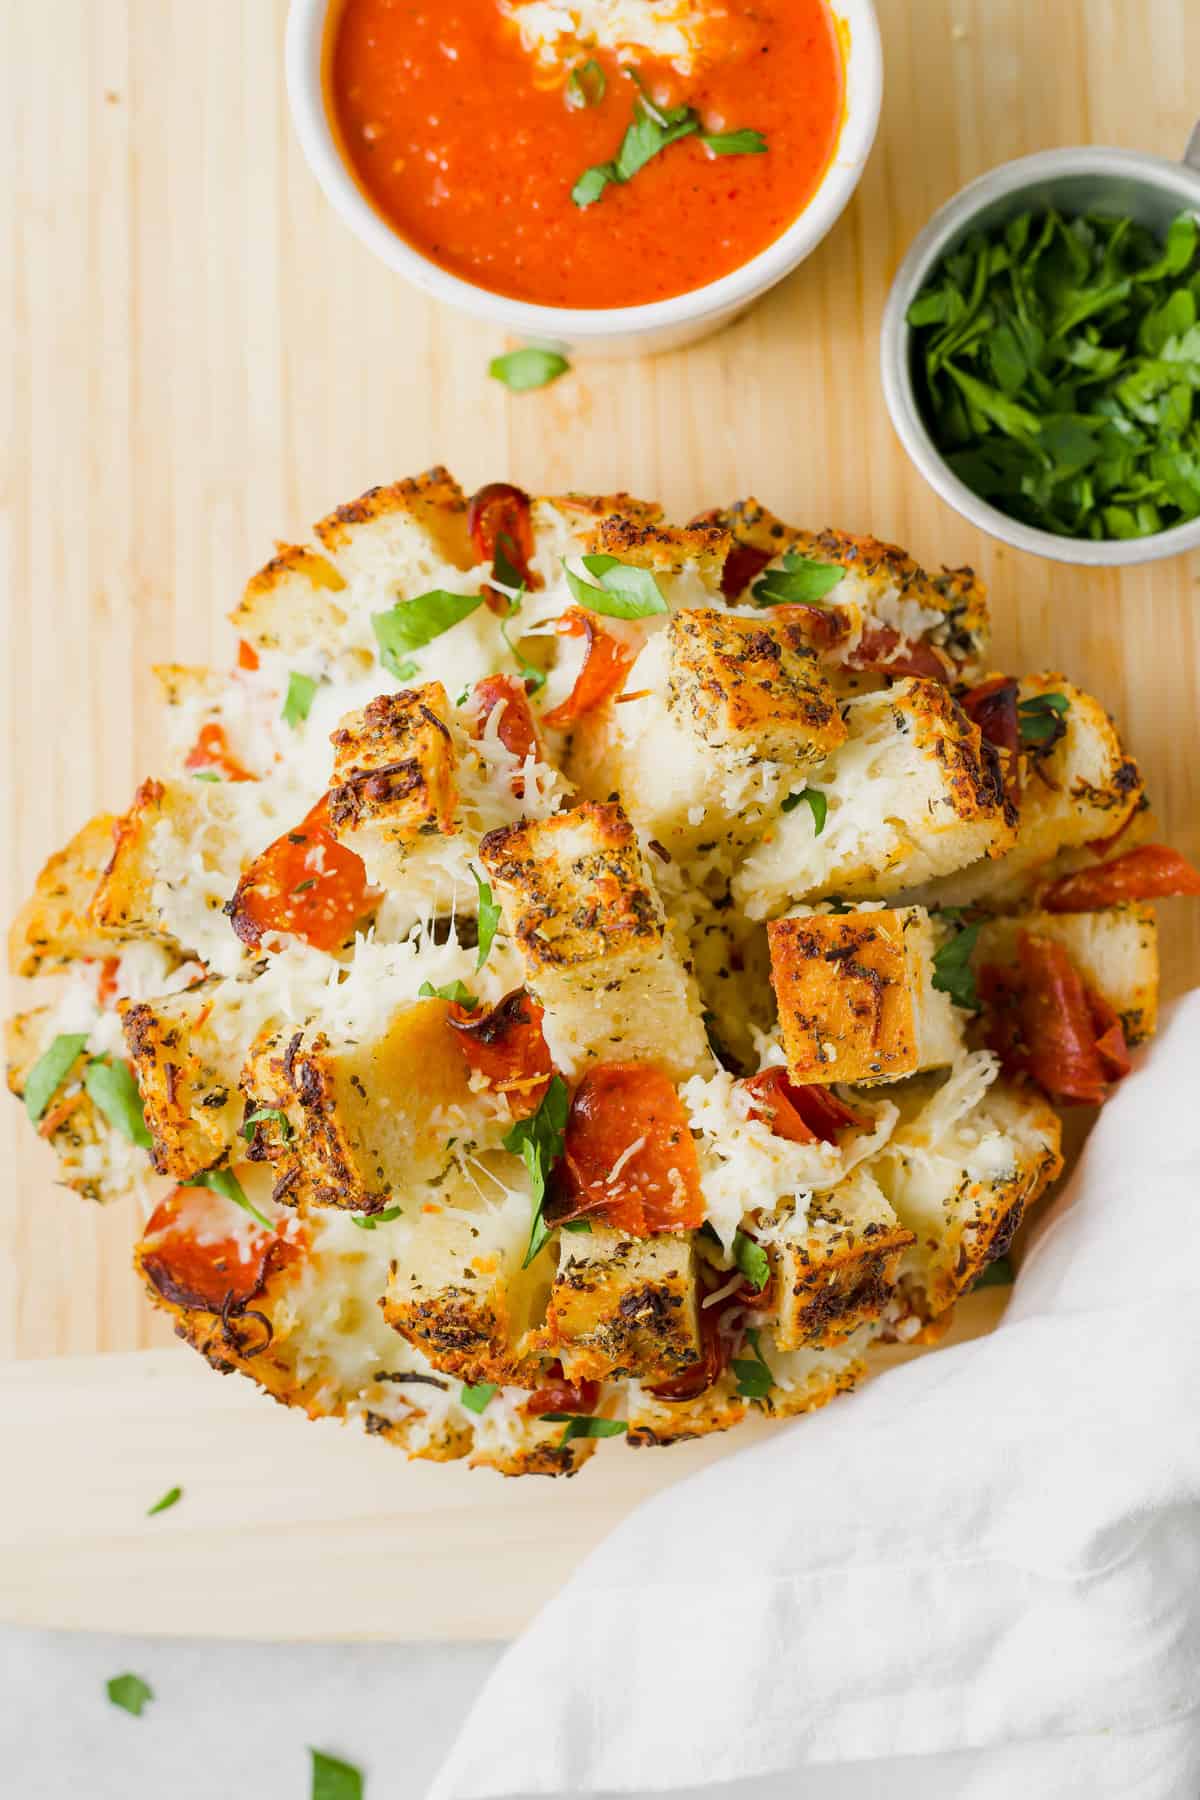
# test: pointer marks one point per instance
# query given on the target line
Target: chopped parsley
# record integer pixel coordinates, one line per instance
(754, 1378)
(799, 582)
(411, 624)
(751, 1259)
(455, 991)
(538, 1141)
(114, 1092)
(130, 1693)
(333, 1779)
(816, 802)
(587, 85)
(997, 1274)
(226, 1183)
(51, 1070)
(625, 592)
(487, 922)
(263, 1115)
(582, 1226)
(368, 1221)
(522, 370)
(1042, 720)
(476, 1398)
(169, 1499)
(583, 1425)
(734, 143)
(952, 971)
(1058, 362)
(301, 692)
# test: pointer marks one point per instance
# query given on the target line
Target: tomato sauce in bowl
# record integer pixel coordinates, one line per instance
(470, 145)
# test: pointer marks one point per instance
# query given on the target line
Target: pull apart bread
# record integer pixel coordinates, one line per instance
(580, 976)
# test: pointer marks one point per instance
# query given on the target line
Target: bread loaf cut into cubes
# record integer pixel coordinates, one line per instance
(393, 778)
(913, 792)
(856, 996)
(837, 1265)
(623, 1306)
(396, 542)
(579, 902)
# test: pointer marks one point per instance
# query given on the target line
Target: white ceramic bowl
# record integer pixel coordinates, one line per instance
(603, 331)
(1084, 179)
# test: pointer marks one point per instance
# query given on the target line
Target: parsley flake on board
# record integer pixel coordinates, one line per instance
(487, 922)
(1058, 362)
(333, 1779)
(583, 1425)
(754, 1378)
(113, 1092)
(653, 130)
(952, 971)
(51, 1070)
(538, 1141)
(523, 370)
(368, 1221)
(226, 1183)
(130, 1693)
(625, 592)
(301, 692)
(799, 582)
(411, 624)
(751, 1259)
(169, 1499)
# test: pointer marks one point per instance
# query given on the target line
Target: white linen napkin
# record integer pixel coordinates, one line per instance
(988, 1558)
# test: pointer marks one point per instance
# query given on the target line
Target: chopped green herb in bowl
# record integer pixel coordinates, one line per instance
(1056, 363)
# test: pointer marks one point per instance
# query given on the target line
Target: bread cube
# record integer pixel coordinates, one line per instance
(364, 1116)
(721, 716)
(655, 1422)
(856, 997)
(1084, 788)
(806, 1379)
(393, 778)
(578, 901)
(398, 541)
(95, 1160)
(55, 926)
(457, 1289)
(884, 583)
(914, 792)
(294, 607)
(623, 1306)
(510, 1441)
(187, 1051)
(838, 1266)
(967, 1157)
(1116, 952)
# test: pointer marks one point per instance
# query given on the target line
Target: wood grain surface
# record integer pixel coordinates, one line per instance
(199, 358)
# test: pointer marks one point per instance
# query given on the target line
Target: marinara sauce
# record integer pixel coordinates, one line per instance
(466, 144)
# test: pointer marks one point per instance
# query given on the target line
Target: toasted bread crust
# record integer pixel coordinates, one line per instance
(750, 685)
(847, 1011)
(393, 771)
(56, 924)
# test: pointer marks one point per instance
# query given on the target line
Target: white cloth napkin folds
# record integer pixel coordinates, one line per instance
(988, 1558)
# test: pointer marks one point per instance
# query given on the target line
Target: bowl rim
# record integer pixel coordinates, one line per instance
(862, 53)
(930, 243)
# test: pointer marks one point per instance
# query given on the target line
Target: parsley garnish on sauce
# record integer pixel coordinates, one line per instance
(1058, 362)
(624, 591)
(333, 1779)
(587, 85)
(653, 130)
(538, 1141)
(130, 1693)
(800, 581)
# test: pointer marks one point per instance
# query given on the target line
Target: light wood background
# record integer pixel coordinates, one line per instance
(199, 358)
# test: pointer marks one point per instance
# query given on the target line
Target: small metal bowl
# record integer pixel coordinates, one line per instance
(1149, 189)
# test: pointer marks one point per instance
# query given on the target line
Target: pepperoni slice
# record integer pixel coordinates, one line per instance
(515, 729)
(607, 660)
(882, 649)
(743, 565)
(1043, 1022)
(1151, 872)
(993, 707)
(629, 1157)
(507, 1048)
(200, 1253)
(498, 517)
(558, 1395)
(803, 1115)
(306, 884)
(210, 754)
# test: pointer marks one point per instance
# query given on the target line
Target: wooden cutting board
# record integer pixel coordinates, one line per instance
(200, 358)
